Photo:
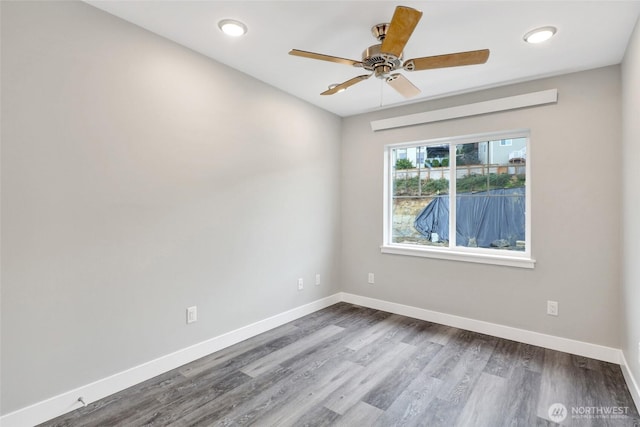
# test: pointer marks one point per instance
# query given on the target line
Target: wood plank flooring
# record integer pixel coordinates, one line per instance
(353, 366)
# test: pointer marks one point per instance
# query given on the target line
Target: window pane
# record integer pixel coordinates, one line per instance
(420, 210)
(490, 199)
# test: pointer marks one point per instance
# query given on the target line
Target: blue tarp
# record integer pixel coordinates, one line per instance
(484, 219)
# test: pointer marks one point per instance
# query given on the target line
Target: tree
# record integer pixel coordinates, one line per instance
(404, 164)
(468, 155)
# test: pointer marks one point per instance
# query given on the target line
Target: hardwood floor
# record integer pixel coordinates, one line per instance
(353, 366)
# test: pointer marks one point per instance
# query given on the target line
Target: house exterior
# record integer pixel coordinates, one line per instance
(502, 152)
(420, 156)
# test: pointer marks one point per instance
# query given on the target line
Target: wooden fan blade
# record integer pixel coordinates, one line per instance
(343, 86)
(401, 84)
(312, 55)
(402, 24)
(450, 60)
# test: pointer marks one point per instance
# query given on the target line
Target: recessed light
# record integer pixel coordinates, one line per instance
(540, 34)
(232, 28)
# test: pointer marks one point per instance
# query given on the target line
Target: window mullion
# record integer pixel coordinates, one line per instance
(452, 195)
(388, 190)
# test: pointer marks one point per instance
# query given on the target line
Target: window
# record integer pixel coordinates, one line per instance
(465, 199)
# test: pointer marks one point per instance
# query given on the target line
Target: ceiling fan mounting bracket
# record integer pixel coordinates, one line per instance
(380, 31)
(410, 65)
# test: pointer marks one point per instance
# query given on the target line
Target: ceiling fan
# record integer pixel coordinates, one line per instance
(386, 57)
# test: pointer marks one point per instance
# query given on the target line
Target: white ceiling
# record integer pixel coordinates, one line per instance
(590, 34)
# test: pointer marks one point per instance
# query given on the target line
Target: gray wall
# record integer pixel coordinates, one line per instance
(139, 178)
(631, 203)
(575, 184)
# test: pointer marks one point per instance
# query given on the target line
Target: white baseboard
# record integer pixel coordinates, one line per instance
(566, 345)
(632, 384)
(68, 401)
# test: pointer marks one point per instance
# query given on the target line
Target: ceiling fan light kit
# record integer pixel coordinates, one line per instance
(386, 57)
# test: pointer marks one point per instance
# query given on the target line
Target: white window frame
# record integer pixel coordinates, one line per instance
(453, 252)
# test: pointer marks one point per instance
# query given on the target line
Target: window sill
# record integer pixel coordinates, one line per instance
(509, 261)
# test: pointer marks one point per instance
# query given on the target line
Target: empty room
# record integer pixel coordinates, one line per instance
(320, 213)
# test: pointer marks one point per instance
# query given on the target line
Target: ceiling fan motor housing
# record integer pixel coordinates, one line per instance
(373, 58)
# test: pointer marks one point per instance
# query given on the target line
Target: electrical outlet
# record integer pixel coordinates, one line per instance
(192, 314)
(552, 308)
(372, 278)
(300, 284)
(317, 279)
